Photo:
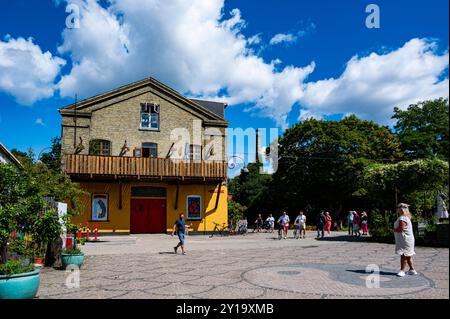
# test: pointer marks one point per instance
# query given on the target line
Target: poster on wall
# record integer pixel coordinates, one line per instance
(100, 207)
(194, 207)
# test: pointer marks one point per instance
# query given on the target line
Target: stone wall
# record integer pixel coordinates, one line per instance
(118, 119)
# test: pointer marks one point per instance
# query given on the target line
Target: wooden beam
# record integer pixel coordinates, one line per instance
(176, 195)
(218, 196)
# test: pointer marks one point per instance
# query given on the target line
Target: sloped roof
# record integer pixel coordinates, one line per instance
(9, 155)
(209, 111)
(215, 107)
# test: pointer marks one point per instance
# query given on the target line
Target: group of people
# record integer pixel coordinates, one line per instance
(357, 222)
(403, 231)
(283, 222)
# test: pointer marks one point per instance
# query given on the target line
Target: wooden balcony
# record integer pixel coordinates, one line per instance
(93, 166)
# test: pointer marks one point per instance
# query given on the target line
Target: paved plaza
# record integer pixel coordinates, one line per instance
(251, 266)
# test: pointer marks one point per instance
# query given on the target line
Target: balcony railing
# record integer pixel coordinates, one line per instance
(117, 166)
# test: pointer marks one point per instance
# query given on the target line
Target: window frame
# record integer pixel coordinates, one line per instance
(101, 147)
(151, 114)
(198, 151)
(150, 148)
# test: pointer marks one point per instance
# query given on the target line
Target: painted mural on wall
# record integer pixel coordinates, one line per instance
(194, 207)
(100, 207)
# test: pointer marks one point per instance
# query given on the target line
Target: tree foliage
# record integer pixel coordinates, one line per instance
(416, 182)
(423, 129)
(321, 162)
(22, 199)
(251, 189)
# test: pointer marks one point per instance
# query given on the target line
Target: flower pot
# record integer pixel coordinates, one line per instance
(19, 286)
(39, 262)
(72, 260)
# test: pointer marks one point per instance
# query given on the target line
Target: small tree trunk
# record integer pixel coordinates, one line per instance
(3, 254)
(53, 254)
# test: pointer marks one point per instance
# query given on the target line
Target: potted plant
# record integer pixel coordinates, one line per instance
(18, 280)
(45, 229)
(72, 255)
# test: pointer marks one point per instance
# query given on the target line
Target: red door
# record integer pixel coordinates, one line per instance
(148, 216)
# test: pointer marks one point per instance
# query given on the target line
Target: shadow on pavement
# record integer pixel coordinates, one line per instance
(345, 238)
(382, 273)
(167, 253)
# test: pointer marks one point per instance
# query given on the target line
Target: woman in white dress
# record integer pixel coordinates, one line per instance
(404, 240)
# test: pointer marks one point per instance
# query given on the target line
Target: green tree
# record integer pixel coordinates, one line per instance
(423, 129)
(416, 182)
(321, 162)
(53, 158)
(251, 189)
(22, 199)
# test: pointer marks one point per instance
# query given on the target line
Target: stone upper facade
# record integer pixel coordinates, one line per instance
(115, 116)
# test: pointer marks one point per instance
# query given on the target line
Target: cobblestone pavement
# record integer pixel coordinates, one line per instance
(252, 266)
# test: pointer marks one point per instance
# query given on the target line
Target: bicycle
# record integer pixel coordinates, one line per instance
(223, 230)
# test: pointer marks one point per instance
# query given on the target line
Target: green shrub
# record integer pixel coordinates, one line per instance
(21, 247)
(381, 224)
(235, 212)
(73, 251)
(13, 267)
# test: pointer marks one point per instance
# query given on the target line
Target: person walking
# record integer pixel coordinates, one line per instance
(271, 221)
(179, 228)
(284, 223)
(404, 240)
(300, 223)
(320, 224)
(364, 224)
(328, 223)
(356, 224)
(350, 222)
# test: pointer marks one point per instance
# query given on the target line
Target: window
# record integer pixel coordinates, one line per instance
(149, 150)
(99, 207)
(149, 116)
(100, 147)
(195, 152)
(194, 207)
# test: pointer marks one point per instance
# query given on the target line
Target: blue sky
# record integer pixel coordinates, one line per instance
(269, 84)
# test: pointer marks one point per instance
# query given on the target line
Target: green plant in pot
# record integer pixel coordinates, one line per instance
(45, 229)
(72, 255)
(18, 278)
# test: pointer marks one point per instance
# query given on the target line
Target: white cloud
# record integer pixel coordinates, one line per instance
(26, 72)
(371, 86)
(39, 121)
(201, 51)
(283, 37)
(255, 39)
(196, 50)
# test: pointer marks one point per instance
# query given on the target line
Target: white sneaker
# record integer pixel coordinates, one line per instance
(412, 272)
(401, 274)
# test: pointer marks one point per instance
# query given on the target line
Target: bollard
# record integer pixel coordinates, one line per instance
(80, 231)
(96, 232)
(87, 231)
(69, 241)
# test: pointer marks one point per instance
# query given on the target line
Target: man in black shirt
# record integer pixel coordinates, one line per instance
(180, 229)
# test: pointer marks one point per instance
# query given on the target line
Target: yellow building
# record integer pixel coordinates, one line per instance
(143, 153)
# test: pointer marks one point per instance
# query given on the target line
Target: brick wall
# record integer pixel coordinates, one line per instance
(118, 119)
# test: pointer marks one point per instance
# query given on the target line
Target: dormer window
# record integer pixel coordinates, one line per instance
(150, 116)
